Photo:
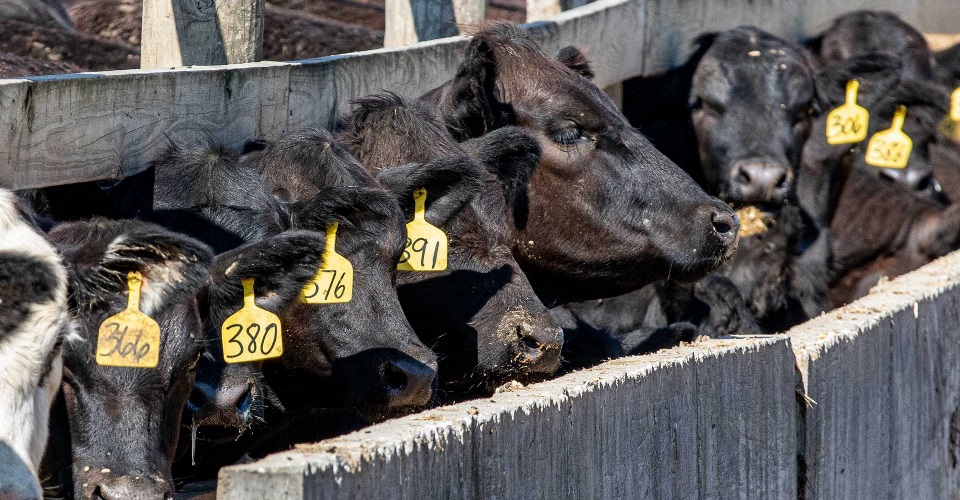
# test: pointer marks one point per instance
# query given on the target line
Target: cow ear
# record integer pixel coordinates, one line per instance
(512, 154)
(280, 267)
(450, 182)
(574, 59)
(939, 235)
(350, 207)
(474, 100)
(101, 254)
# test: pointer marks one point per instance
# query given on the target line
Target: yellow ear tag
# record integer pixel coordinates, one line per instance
(426, 248)
(252, 333)
(847, 123)
(334, 280)
(130, 338)
(955, 105)
(891, 148)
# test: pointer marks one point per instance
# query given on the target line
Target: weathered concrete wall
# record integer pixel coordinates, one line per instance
(883, 377)
(62, 129)
(715, 421)
(861, 402)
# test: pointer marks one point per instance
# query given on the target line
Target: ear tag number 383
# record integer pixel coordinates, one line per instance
(848, 122)
(891, 148)
(426, 248)
(334, 280)
(130, 338)
(252, 333)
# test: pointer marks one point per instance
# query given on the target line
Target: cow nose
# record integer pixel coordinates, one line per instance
(408, 382)
(756, 181)
(228, 403)
(540, 344)
(915, 179)
(726, 225)
(127, 487)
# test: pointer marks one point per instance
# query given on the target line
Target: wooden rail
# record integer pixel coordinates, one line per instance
(73, 128)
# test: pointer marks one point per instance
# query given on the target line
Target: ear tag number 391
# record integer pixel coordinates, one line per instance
(426, 248)
(252, 333)
(334, 280)
(891, 148)
(130, 338)
(848, 122)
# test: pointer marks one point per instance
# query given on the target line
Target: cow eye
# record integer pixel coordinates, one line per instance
(568, 136)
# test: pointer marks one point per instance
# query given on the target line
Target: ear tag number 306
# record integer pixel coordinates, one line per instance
(848, 122)
(891, 148)
(252, 333)
(130, 338)
(426, 248)
(334, 280)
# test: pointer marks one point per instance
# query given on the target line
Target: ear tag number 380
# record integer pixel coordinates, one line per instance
(130, 338)
(848, 122)
(426, 248)
(334, 280)
(891, 148)
(252, 333)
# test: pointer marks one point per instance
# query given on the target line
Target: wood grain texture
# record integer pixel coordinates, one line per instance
(91, 126)
(201, 32)
(884, 373)
(671, 425)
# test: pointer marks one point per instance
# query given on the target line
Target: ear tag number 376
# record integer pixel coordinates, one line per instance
(130, 338)
(891, 148)
(334, 280)
(426, 248)
(848, 122)
(252, 333)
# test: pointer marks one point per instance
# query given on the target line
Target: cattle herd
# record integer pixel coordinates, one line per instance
(504, 227)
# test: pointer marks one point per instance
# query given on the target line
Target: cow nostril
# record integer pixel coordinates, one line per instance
(741, 176)
(245, 402)
(197, 400)
(395, 377)
(529, 341)
(781, 180)
(726, 226)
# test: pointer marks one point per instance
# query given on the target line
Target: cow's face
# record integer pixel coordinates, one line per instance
(604, 212)
(750, 101)
(123, 421)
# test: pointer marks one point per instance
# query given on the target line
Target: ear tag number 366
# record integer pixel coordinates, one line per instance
(891, 148)
(848, 122)
(334, 280)
(426, 248)
(252, 333)
(130, 338)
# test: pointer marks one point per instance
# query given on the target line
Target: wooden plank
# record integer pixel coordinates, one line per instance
(411, 21)
(883, 380)
(201, 32)
(676, 424)
(538, 10)
(14, 95)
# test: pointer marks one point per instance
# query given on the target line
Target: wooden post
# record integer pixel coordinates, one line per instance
(201, 32)
(412, 21)
(538, 10)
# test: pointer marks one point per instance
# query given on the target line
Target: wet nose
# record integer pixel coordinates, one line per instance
(228, 404)
(755, 181)
(540, 343)
(408, 382)
(726, 225)
(915, 179)
(127, 487)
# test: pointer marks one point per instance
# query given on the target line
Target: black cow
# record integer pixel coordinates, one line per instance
(499, 330)
(604, 212)
(122, 423)
(867, 32)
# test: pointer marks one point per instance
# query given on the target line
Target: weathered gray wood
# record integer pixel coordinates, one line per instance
(412, 21)
(714, 421)
(883, 375)
(201, 32)
(538, 10)
(65, 133)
